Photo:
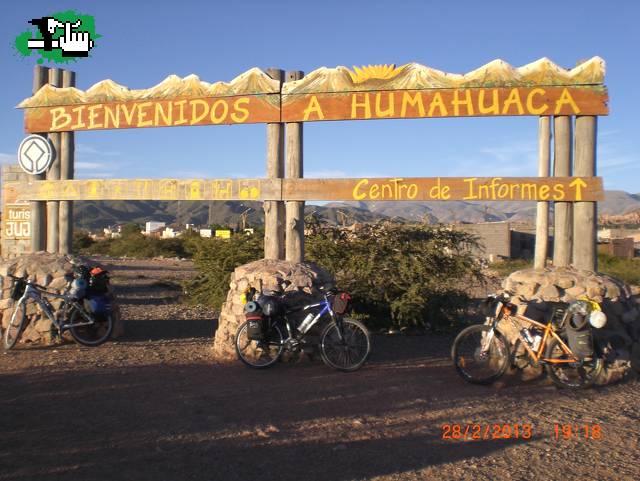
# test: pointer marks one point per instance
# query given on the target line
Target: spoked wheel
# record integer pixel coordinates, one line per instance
(92, 330)
(259, 354)
(573, 375)
(349, 352)
(16, 325)
(476, 362)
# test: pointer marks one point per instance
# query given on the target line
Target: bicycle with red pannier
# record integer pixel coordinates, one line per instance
(270, 329)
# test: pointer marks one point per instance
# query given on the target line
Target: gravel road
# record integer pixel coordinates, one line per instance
(154, 405)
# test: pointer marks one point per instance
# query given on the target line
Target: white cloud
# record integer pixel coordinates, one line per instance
(90, 150)
(95, 175)
(90, 165)
(325, 174)
(8, 158)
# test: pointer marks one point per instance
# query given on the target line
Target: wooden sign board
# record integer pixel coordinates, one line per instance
(369, 92)
(147, 189)
(400, 104)
(565, 189)
(17, 222)
(245, 109)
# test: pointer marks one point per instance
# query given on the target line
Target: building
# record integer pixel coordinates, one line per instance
(503, 240)
(153, 227)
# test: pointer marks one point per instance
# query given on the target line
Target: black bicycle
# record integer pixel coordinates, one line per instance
(269, 330)
(90, 326)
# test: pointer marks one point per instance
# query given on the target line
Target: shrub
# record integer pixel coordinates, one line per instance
(398, 276)
(627, 270)
(215, 260)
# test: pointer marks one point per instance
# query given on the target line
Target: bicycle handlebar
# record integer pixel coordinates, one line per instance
(28, 281)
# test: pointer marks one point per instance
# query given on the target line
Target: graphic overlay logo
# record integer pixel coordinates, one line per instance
(35, 154)
(60, 37)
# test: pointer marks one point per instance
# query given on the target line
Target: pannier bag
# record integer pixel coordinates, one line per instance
(17, 288)
(579, 336)
(340, 303)
(98, 281)
(559, 313)
(255, 327)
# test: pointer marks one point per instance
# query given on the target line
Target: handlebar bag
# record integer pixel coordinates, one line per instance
(340, 303)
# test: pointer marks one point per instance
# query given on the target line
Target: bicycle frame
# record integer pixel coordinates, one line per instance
(39, 297)
(325, 305)
(503, 312)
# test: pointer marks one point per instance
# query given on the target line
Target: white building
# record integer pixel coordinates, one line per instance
(169, 233)
(153, 226)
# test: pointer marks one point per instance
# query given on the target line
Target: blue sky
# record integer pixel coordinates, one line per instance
(144, 41)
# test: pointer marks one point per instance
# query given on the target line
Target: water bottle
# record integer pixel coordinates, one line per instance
(304, 325)
(527, 336)
(537, 337)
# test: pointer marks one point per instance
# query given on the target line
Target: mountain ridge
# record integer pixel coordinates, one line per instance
(99, 214)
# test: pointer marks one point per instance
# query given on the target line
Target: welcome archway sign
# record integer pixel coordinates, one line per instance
(565, 100)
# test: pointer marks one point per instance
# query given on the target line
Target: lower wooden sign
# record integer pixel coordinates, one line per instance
(558, 189)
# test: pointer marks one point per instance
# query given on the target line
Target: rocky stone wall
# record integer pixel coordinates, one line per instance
(48, 270)
(534, 291)
(275, 275)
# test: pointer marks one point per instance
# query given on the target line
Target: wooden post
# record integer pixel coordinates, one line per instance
(38, 211)
(585, 217)
(542, 213)
(295, 209)
(274, 212)
(562, 210)
(53, 207)
(67, 160)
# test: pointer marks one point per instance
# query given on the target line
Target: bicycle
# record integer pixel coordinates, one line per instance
(481, 355)
(85, 328)
(345, 344)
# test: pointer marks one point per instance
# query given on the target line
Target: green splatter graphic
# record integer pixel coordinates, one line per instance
(55, 56)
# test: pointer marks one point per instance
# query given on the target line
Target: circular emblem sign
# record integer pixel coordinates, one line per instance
(35, 154)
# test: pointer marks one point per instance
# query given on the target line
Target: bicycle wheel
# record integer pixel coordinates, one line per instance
(573, 375)
(97, 330)
(474, 364)
(350, 352)
(16, 325)
(259, 354)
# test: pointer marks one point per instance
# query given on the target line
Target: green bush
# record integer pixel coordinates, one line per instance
(215, 260)
(398, 276)
(132, 243)
(627, 270)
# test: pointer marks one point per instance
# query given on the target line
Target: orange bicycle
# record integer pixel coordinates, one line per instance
(481, 354)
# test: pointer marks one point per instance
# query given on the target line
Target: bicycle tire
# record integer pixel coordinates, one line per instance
(497, 360)
(102, 329)
(16, 325)
(581, 376)
(274, 338)
(327, 344)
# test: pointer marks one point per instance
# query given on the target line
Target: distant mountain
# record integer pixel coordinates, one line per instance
(98, 214)
(95, 215)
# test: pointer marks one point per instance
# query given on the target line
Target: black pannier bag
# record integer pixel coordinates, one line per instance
(559, 313)
(98, 281)
(579, 336)
(255, 327)
(18, 287)
(340, 303)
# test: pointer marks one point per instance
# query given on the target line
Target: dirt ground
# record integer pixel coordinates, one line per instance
(154, 405)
